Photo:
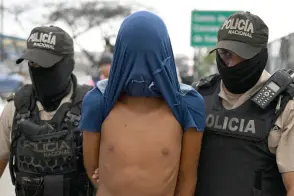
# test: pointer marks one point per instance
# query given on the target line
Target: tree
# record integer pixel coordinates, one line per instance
(86, 16)
(81, 17)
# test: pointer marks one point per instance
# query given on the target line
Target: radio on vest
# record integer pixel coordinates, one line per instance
(275, 85)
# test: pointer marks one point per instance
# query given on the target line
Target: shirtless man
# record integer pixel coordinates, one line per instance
(141, 127)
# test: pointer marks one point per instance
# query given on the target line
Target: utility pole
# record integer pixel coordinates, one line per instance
(196, 59)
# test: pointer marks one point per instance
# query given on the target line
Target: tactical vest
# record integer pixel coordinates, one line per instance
(235, 159)
(46, 156)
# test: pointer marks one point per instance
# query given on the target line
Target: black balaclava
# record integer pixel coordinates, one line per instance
(52, 84)
(243, 76)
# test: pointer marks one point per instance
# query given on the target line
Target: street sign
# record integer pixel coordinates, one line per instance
(205, 25)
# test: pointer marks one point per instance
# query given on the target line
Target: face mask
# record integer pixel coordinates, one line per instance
(52, 84)
(243, 76)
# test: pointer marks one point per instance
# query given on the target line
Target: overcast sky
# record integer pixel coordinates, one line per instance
(177, 14)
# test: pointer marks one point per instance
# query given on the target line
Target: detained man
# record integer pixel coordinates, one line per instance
(141, 127)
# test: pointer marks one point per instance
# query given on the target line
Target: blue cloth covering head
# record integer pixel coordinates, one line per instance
(143, 66)
(143, 63)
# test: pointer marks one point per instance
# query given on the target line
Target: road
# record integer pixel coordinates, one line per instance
(6, 188)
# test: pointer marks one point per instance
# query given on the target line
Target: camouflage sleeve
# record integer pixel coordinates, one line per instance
(285, 140)
(6, 120)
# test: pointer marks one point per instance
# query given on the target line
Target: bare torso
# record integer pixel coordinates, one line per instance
(139, 150)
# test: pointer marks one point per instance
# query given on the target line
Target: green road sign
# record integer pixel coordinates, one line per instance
(205, 25)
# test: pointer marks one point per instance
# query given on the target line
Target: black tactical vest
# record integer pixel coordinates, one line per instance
(46, 156)
(235, 159)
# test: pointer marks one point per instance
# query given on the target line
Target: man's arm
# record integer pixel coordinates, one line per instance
(187, 178)
(91, 146)
(91, 122)
(194, 125)
(288, 179)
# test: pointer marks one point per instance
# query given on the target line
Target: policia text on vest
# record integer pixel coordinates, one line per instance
(230, 124)
(46, 156)
(50, 149)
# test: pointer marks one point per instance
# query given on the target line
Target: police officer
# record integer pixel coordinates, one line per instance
(42, 118)
(247, 149)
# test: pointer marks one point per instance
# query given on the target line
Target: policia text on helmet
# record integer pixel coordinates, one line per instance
(249, 116)
(46, 144)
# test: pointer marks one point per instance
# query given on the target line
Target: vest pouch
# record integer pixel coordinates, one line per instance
(60, 135)
(28, 186)
(256, 192)
(29, 128)
(53, 185)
